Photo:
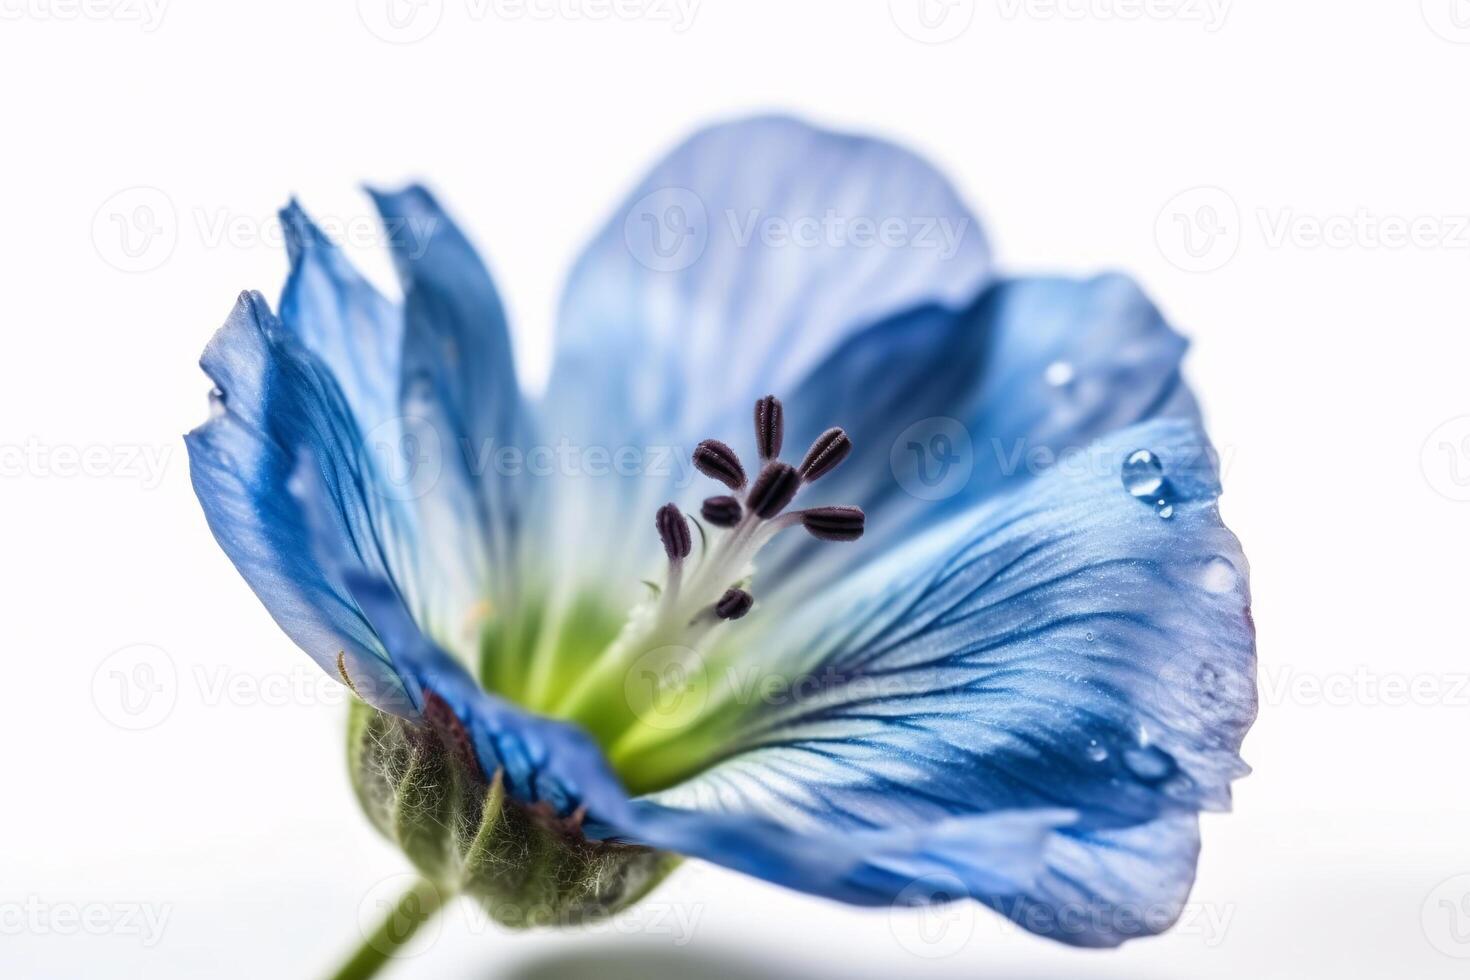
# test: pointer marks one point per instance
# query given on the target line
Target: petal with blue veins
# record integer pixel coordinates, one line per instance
(342, 319)
(946, 409)
(275, 401)
(460, 405)
(997, 856)
(737, 265)
(1024, 673)
(1063, 644)
(413, 431)
(1099, 888)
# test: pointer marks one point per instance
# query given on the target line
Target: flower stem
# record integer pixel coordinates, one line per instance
(417, 905)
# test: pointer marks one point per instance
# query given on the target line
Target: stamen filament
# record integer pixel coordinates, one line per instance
(695, 603)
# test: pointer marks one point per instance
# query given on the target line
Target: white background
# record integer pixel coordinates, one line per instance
(1331, 370)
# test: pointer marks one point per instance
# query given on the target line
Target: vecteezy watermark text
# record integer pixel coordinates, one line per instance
(137, 229)
(35, 916)
(931, 919)
(940, 234)
(409, 21)
(147, 14)
(1210, 14)
(671, 228)
(1201, 229)
(97, 461)
(410, 455)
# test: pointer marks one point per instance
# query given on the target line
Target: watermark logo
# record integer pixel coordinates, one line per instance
(400, 21)
(148, 14)
(408, 456)
(136, 229)
(1201, 688)
(933, 458)
(941, 234)
(1363, 229)
(140, 687)
(136, 688)
(34, 459)
(393, 910)
(667, 688)
(667, 230)
(35, 916)
(1450, 19)
(1210, 14)
(679, 14)
(1445, 459)
(932, 21)
(410, 21)
(670, 229)
(1445, 917)
(1198, 230)
(928, 921)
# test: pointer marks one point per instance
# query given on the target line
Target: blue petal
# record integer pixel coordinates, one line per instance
(461, 404)
(1062, 646)
(1102, 887)
(1032, 701)
(542, 761)
(946, 409)
(998, 856)
(1042, 649)
(658, 349)
(432, 391)
(343, 320)
(275, 402)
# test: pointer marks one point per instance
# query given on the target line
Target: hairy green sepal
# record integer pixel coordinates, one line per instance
(421, 786)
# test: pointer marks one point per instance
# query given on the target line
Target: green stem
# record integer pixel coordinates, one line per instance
(418, 905)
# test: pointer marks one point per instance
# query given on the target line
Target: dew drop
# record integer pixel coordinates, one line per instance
(1096, 752)
(1059, 374)
(1143, 474)
(217, 405)
(1163, 508)
(1217, 576)
(1091, 636)
(1150, 764)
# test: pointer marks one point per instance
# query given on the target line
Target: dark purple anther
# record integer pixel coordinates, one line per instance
(770, 427)
(834, 523)
(718, 462)
(721, 511)
(830, 449)
(734, 604)
(673, 531)
(773, 490)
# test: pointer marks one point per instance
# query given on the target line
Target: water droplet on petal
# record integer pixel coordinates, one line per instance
(1091, 636)
(1164, 509)
(1059, 374)
(1217, 575)
(217, 405)
(1096, 752)
(1143, 474)
(1150, 764)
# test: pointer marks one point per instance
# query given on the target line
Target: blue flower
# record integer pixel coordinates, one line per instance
(1021, 684)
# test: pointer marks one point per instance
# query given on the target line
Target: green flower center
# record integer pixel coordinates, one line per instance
(640, 682)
